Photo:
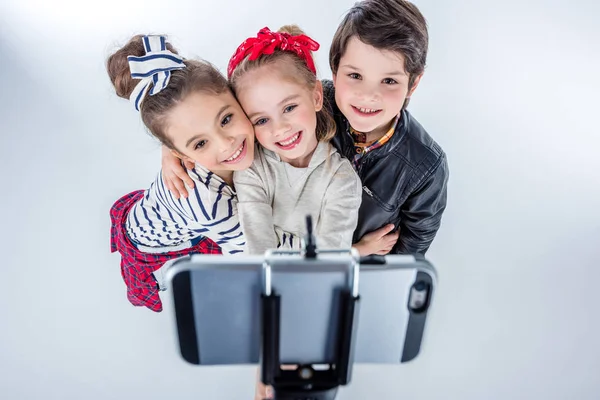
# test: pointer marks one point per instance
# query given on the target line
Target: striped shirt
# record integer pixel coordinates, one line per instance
(159, 222)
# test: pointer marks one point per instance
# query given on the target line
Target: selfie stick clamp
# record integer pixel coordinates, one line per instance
(305, 382)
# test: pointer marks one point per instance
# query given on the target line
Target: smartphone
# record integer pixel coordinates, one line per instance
(217, 306)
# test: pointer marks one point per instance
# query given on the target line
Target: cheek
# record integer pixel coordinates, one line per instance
(395, 98)
(206, 159)
(341, 91)
(309, 115)
(245, 128)
(262, 136)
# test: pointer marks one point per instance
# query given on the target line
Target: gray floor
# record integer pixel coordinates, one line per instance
(511, 93)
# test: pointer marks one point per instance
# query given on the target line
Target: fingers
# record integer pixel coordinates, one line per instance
(385, 250)
(267, 393)
(180, 188)
(181, 174)
(377, 234)
(189, 164)
(384, 230)
(262, 391)
(175, 186)
(170, 186)
(387, 243)
(392, 237)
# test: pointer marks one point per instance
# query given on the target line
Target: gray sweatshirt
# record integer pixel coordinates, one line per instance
(274, 199)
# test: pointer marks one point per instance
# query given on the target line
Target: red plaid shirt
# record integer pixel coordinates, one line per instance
(136, 266)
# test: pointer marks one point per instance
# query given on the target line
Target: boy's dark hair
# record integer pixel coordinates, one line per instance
(394, 25)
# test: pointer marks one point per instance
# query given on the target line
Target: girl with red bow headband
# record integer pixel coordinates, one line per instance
(296, 172)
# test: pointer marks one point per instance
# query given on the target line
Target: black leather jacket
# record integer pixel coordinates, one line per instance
(404, 181)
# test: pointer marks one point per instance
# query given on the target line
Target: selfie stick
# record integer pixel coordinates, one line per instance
(306, 382)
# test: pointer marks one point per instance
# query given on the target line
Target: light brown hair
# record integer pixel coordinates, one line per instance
(198, 76)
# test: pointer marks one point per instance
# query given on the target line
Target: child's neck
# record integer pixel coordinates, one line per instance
(301, 162)
(378, 132)
(227, 176)
(304, 161)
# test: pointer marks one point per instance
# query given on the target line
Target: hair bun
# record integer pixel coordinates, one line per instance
(292, 29)
(118, 66)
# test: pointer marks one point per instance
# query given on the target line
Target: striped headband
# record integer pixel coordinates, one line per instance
(153, 68)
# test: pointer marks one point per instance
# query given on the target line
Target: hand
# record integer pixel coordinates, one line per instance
(262, 392)
(378, 242)
(174, 175)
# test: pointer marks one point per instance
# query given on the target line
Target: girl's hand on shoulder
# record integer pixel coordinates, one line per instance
(174, 175)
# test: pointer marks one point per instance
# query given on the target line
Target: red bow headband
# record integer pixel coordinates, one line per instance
(266, 42)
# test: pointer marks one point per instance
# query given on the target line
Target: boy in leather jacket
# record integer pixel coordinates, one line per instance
(377, 58)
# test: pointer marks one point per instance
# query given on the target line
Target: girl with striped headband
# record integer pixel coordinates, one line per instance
(188, 106)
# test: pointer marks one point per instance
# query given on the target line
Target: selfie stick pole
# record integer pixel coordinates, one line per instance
(306, 382)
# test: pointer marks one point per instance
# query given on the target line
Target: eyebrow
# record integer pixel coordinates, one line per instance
(221, 110)
(387, 74)
(190, 140)
(289, 98)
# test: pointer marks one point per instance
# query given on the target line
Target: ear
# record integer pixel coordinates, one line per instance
(414, 86)
(334, 78)
(318, 96)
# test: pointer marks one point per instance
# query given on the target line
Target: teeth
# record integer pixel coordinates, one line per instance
(236, 154)
(291, 140)
(366, 110)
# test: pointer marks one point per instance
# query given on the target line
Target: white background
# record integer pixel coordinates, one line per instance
(511, 92)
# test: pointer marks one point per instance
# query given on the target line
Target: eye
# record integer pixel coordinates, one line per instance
(354, 75)
(261, 121)
(226, 119)
(200, 144)
(389, 81)
(290, 108)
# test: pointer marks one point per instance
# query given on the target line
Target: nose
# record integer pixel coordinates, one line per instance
(225, 142)
(369, 93)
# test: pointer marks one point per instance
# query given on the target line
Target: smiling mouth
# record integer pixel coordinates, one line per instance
(365, 111)
(238, 154)
(290, 142)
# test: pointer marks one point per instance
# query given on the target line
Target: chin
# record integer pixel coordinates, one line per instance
(288, 155)
(246, 164)
(362, 127)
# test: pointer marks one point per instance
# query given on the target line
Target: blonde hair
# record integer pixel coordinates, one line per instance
(299, 73)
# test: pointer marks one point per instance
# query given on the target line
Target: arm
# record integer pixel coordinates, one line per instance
(421, 213)
(173, 173)
(339, 215)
